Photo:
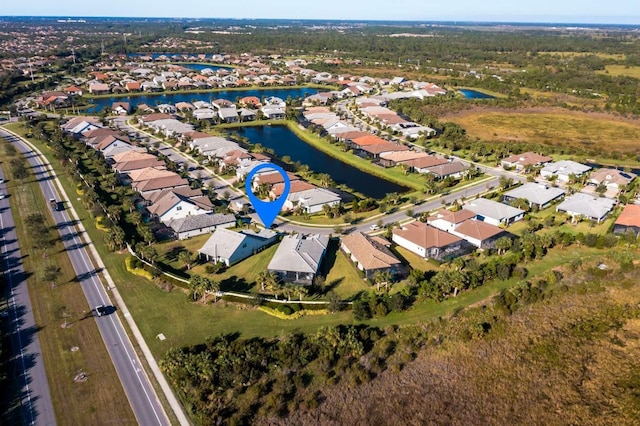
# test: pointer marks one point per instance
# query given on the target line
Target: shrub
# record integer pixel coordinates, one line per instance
(292, 315)
(129, 264)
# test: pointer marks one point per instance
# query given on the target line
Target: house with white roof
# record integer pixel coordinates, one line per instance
(537, 194)
(494, 212)
(581, 205)
(312, 200)
(299, 257)
(231, 247)
(563, 170)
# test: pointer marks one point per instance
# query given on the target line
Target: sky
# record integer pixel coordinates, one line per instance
(565, 11)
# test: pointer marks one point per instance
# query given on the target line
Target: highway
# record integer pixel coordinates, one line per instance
(27, 369)
(142, 397)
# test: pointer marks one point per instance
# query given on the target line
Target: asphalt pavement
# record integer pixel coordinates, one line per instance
(142, 397)
(27, 365)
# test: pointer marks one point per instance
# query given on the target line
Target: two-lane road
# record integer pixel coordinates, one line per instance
(142, 397)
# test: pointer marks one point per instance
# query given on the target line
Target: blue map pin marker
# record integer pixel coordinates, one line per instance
(267, 210)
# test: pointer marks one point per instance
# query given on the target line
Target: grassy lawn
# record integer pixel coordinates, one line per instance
(621, 70)
(575, 129)
(343, 277)
(74, 403)
(185, 323)
(413, 260)
(393, 174)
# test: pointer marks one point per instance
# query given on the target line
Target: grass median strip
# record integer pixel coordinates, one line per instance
(77, 348)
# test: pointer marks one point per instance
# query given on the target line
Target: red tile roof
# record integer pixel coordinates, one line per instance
(426, 236)
(630, 216)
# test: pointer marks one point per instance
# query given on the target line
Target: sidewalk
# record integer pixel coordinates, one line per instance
(164, 385)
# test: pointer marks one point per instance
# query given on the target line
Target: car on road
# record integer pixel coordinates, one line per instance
(1, 180)
(374, 227)
(1, 195)
(101, 310)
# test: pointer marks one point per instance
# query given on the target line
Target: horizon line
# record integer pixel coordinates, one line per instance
(514, 20)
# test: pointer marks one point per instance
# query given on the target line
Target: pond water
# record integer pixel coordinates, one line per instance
(474, 94)
(154, 99)
(284, 142)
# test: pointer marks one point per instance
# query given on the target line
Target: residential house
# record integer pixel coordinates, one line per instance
(99, 88)
(629, 219)
(581, 205)
(537, 194)
(78, 125)
(120, 108)
(228, 115)
(423, 164)
(296, 186)
(311, 200)
(453, 169)
(204, 114)
(391, 159)
(371, 254)
(493, 212)
(611, 178)
(429, 242)
(298, 258)
(194, 225)
(150, 180)
(564, 170)
(520, 162)
(231, 247)
(480, 234)
(464, 224)
(174, 206)
(129, 161)
(247, 114)
(273, 112)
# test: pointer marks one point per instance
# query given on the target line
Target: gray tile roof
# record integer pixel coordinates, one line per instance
(536, 193)
(298, 253)
(200, 221)
(224, 243)
(588, 205)
(492, 209)
(565, 167)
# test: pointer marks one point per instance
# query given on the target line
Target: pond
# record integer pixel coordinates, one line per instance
(154, 99)
(474, 94)
(284, 142)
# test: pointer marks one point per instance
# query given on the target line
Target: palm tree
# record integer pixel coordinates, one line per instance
(381, 277)
(114, 212)
(187, 258)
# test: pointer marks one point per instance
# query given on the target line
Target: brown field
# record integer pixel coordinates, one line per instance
(618, 70)
(615, 56)
(571, 360)
(552, 126)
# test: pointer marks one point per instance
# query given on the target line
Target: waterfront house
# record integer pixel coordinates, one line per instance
(312, 200)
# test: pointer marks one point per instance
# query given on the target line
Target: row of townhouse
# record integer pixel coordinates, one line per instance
(166, 195)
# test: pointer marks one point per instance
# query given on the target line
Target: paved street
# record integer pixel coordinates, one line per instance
(27, 369)
(141, 395)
